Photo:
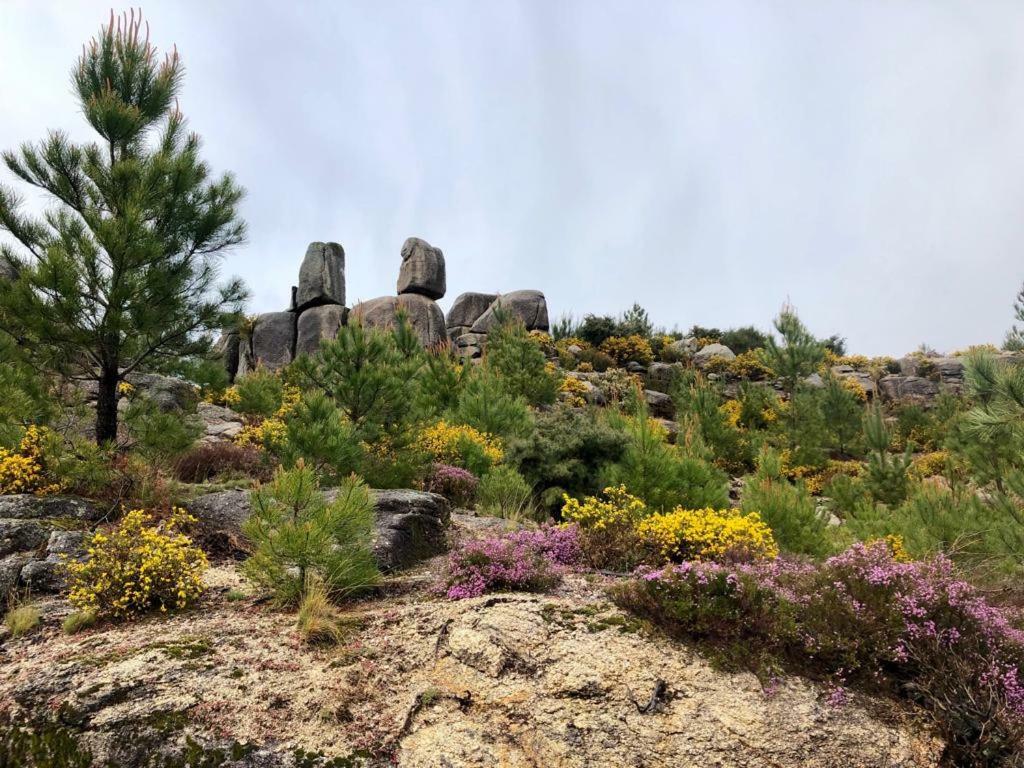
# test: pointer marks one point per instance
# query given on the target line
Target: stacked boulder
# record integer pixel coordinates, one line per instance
(421, 281)
(317, 312)
(473, 315)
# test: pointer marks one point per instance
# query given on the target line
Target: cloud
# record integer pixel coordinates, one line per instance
(706, 159)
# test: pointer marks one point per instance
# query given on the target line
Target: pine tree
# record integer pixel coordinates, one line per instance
(887, 474)
(297, 533)
(121, 271)
(797, 355)
(1015, 336)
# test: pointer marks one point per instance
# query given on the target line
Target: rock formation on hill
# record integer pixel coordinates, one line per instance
(318, 310)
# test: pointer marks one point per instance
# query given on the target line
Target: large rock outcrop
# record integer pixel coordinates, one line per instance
(422, 269)
(36, 532)
(513, 680)
(423, 314)
(466, 310)
(273, 340)
(318, 324)
(321, 276)
(529, 306)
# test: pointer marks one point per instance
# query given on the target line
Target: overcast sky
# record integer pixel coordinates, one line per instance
(709, 160)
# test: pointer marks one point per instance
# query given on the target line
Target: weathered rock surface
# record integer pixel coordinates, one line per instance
(659, 404)
(321, 276)
(35, 532)
(219, 423)
(422, 269)
(317, 324)
(512, 680)
(660, 376)
(709, 352)
(863, 379)
(273, 340)
(529, 306)
(471, 344)
(409, 526)
(467, 309)
(909, 388)
(425, 317)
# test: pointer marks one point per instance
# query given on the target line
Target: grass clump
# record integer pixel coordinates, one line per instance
(22, 618)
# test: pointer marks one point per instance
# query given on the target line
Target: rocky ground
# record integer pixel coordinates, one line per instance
(513, 680)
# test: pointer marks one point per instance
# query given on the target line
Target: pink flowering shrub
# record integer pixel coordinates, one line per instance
(524, 560)
(862, 619)
(456, 484)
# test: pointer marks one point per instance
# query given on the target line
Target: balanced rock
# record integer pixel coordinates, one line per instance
(317, 324)
(273, 339)
(321, 276)
(423, 314)
(529, 306)
(467, 309)
(422, 270)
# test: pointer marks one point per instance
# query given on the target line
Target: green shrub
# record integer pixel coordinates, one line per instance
(597, 360)
(842, 411)
(519, 363)
(503, 492)
(296, 533)
(664, 476)
(788, 509)
(566, 453)
(802, 429)
(371, 376)
(744, 339)
(441, 382)
(259, 393)
(887, 476)
(487, 405)
(596, 328)
(697, 397)
(160, 436)
(317, 434)
(797, 354)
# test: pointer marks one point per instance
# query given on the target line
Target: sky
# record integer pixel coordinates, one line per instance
(862, 160)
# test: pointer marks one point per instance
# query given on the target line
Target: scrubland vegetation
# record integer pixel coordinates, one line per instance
(785, 518)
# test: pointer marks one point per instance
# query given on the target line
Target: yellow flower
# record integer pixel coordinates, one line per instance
(448, 443)
(708, 534)
(625, 349)
(142, 564)
(573, 392)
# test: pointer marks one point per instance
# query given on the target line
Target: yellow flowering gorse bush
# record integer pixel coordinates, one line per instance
(616, 508)
(139, 566)
(573, 392)
(624, 349)
(929, 464)
(446, 443)
(708, 534)
(24, 471)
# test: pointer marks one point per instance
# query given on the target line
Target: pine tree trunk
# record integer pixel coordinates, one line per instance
(106, 407)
